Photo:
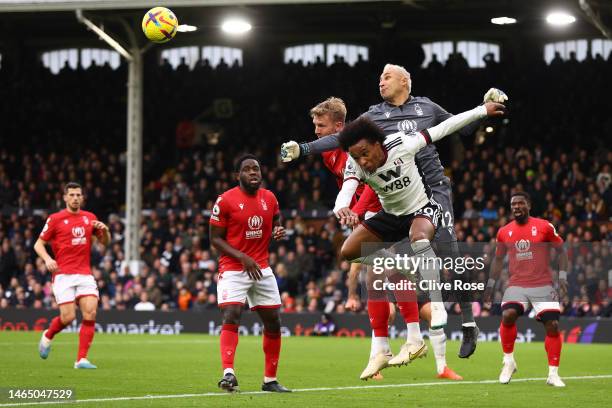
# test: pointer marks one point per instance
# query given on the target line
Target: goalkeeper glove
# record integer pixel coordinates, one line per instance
(495, 95)
(290, 151)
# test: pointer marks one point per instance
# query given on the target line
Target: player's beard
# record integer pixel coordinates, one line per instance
(522, 218)
(249, 187)
(74, 207)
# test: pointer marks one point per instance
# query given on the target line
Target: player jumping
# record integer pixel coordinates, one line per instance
(328, 117)
(243, 220)
(70, 232)
(525, 241)
(401, 111)
(387, 164)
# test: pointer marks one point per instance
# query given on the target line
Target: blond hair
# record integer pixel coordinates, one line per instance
(332, 106)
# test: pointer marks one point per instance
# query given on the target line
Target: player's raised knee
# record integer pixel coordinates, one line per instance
(348, 252)
(418, 236)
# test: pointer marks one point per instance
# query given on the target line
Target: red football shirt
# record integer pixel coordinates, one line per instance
(528, 248)
(249, 221)
(70, 237)
(335, 161)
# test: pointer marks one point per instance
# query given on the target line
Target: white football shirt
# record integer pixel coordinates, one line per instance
(398, 182)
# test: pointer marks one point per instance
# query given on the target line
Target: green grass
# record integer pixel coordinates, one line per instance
(140, 365)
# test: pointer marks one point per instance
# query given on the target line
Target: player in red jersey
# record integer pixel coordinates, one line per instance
(70, 233)
(242, 222)
(527, 242)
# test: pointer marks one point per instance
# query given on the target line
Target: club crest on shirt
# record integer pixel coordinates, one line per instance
(387, 114)
(534, 231)
(264, 205)
(254, 223)
(418, 109)
(407, 126)
(86, 220)
(509, 233)
(78, 236)
(241, 206)
(522, 250)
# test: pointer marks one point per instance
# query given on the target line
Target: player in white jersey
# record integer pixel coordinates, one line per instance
(387, 164)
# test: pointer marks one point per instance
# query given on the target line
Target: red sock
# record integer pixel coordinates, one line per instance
(86, 334)
(229, 342)
(271, 348)
(378, 311)
(409, 311)
(404, 295)
(55, 327)
(508, 337)
(553, 345)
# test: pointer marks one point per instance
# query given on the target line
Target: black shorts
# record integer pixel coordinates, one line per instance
(443, 194)
(394, 228)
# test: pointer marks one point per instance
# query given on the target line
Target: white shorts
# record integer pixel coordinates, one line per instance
(70, 287)
(542, 298)
(235, 287)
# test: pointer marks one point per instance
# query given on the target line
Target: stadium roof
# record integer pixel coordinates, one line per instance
(294, 21)
(64, 5)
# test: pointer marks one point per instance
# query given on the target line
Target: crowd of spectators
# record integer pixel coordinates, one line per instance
(552, 146)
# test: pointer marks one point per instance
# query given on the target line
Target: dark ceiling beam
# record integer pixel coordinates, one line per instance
(69, 5)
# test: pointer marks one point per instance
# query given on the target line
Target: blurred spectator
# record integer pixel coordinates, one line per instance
(326, 327)
(564, 164)
(144, 305)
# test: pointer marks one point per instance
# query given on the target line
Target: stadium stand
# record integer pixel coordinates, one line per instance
(75, 133)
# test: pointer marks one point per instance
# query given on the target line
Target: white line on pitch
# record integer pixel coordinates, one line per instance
(353, 387)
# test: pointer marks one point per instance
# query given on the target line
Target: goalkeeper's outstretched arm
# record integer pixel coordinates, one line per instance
(292, 150)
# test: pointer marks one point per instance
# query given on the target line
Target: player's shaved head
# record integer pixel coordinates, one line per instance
(395, 84)
(361, 128)
(401, 71)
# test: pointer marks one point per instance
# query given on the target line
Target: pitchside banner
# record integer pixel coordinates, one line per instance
(581, 330)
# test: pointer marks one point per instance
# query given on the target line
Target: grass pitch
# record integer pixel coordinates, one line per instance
(182, 371)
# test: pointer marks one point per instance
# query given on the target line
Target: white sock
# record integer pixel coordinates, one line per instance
(552, 370)
(428, 268)
(45, 340)
(469, 324)
(228, 371)
(413, 333)
(508, 357)
(380, 345)
(372, 348)
(269, 379)
(437, 338)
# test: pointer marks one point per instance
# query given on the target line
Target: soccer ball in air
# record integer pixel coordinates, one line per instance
(159, 25)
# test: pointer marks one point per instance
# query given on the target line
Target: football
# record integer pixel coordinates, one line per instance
(159, 25)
